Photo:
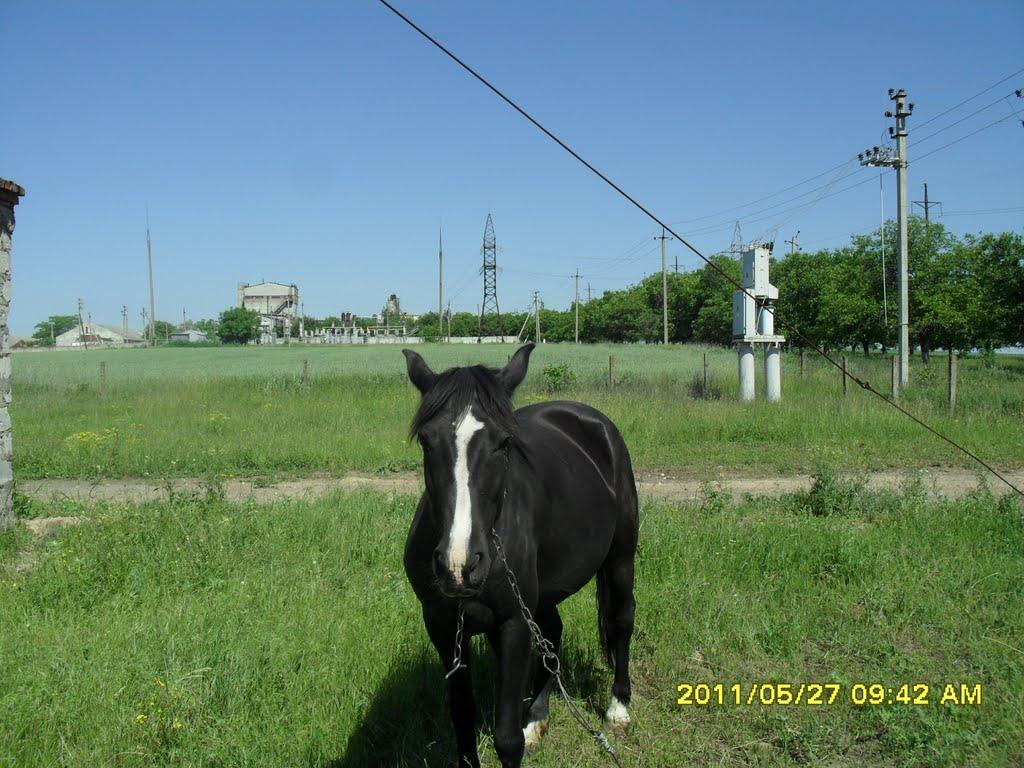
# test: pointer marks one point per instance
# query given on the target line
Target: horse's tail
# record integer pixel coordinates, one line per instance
(604, 615)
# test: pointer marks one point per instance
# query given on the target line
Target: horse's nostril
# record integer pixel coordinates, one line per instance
(473, 571)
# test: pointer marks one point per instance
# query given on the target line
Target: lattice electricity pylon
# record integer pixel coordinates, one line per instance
(489, 270)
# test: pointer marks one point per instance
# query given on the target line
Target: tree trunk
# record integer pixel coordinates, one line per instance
(926, 352)
(866, 346)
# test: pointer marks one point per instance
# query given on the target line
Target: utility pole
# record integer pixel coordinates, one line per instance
(577, 305)
(926, 204)
(440, 284)
(81, 326)
(124, 319)
(149, 256)
(877, 156)
(793, 245)
(664, 288)
(589, 294)
(536, 317)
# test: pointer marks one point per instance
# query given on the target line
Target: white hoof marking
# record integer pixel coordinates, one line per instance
(617, 714)
(534, 732)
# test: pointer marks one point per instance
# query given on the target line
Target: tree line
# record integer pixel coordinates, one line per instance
(965, 293)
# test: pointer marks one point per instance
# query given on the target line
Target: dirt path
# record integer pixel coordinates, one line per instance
(938, 481)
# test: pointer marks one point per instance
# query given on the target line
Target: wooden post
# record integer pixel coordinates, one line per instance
(705, 374)
(803, 361)
(895, 379)
(103, 377)
(952, 381)
(611, 372)
(845, 380)
(305, 371)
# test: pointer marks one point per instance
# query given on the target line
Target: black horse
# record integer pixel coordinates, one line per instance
(552, 484)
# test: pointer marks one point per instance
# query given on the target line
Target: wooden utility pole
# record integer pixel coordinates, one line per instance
(152, 308)
(611, 371)
(793, 245)
(705, 374)
(536, 317)
(895, 386)
(440, 285)
(577, 305)
(664, 288)
(846, 381)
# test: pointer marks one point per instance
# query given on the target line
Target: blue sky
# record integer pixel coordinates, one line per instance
(323, 143)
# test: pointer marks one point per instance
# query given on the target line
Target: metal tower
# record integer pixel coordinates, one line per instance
(489, 270)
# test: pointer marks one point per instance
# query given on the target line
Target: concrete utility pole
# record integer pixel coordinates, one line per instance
(152, 309)
(877, 156)
(793, 245)
(440, 284)
(81, 327)
(577, 305)
(124, 319)
(664, 288)
(9, 195)
(536, 317)
(926, 204)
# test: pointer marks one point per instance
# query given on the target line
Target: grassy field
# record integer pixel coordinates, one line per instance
(197, 633)
(244, 411)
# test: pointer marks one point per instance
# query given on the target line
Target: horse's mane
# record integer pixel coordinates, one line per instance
(457, 388)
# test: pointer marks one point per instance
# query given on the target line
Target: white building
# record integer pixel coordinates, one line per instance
(94, 334)
(276, 303)
(189, 334)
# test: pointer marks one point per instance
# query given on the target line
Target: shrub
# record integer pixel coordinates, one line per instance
(558, 377)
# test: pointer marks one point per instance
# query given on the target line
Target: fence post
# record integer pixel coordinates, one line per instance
(895, 379)
(305, 371)
(705, 374)
(845, 380)
(611, 371)
(103, 377)
(803, 361)
(952, 381)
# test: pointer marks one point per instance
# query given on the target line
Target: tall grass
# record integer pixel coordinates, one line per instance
(197, 633)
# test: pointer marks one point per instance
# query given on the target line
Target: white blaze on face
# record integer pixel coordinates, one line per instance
(462, 525)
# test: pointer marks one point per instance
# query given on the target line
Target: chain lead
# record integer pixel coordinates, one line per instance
(457, 660)
(548, 657)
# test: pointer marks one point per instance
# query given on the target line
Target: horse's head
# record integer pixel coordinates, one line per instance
(466, 427)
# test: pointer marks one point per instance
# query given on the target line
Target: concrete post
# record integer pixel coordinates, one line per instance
(772, 373)
(746, 355)
(9, 194)
(772, 362)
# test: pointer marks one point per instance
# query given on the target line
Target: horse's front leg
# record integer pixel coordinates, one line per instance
(442, 630)
(513, 645)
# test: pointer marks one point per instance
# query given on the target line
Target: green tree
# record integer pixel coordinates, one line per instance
(47, 330)
(207, 326)
(238, 325)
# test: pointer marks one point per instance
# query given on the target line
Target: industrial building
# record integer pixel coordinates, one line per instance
(276, 303)
(190, 335)
(90, 334)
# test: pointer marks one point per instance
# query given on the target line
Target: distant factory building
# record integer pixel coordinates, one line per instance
(99, 335)
(189, 334)
(276, 303)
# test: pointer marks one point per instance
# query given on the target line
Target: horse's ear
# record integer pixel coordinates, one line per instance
(419, 372)
(512, 375)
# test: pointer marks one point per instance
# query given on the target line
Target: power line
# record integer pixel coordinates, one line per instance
(962, 119)
(965, 136)
(864, 384)
(970, 98)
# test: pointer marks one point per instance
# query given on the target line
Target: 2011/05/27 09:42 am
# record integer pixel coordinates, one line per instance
(825, 694)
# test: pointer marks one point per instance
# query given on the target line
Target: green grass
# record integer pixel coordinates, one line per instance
(194, 632)
(244, 411)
